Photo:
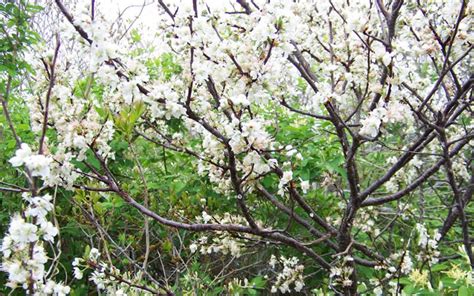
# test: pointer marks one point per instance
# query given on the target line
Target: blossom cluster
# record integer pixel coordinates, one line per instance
(392, 112)
(37, 164)
(428, 245)
(108, 279)
(289, 273)
(23, 248)
(341, 273)
(220, 241)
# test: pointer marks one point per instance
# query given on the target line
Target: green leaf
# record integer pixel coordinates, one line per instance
(87, 251)
(136, 37)
(179, 186)
(463, 291)
(439, 267)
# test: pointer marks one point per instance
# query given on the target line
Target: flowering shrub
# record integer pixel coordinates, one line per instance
(304, 146)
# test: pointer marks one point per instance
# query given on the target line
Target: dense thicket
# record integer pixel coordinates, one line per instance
(250, 147)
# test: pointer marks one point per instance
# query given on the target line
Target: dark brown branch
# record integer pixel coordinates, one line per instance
(48, 95)
(418, 181)
(6, 112)
(453, 214)
(70, 18)
(457, 195)
(245, 5)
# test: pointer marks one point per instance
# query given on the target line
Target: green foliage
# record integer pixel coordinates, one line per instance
(16, 36)
(164, 65)
(127, 118)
